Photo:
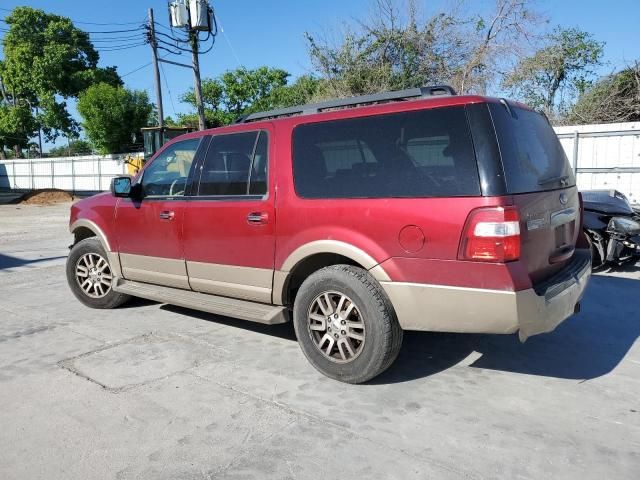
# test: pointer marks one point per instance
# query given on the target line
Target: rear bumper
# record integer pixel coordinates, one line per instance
(472, 310)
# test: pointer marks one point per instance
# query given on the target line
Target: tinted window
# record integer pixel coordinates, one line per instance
(532, 155)
(167, 174)
(412, 154)
(235, 164)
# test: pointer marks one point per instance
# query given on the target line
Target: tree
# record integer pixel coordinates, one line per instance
(113, 115)
(614, 98)
(302, 91)
(47, 60)
(397, 48)
(563, 68)
(234, 93)
(17, 125)
(75, 147)
(492, 41)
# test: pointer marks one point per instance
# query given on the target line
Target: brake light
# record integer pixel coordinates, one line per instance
(491, 235)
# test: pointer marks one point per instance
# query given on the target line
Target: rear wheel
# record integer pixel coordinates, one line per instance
(90, 276)
(345, 324)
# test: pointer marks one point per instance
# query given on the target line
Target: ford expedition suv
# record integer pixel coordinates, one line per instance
(356, 218)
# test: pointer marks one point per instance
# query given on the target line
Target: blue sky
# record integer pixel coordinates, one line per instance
(259, 32)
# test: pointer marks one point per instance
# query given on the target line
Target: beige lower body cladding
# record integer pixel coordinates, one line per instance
(472, 310)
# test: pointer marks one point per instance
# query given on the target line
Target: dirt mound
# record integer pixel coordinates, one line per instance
(46, 197)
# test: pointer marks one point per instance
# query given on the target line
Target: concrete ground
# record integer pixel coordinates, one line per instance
(159, 392)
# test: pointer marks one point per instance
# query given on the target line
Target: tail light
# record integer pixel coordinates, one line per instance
(491, 235)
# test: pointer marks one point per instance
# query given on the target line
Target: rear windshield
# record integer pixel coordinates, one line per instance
(425, 153)
(532, 156)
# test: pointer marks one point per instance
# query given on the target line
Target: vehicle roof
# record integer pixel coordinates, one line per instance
(355, 112)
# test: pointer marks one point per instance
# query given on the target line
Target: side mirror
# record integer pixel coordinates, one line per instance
(121, 187)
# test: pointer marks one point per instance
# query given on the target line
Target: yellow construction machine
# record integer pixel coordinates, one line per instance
(153, 138)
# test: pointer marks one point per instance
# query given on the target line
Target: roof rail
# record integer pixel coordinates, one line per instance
(421, 92)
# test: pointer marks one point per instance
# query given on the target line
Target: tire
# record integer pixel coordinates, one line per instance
(365, 313)
(89, 255)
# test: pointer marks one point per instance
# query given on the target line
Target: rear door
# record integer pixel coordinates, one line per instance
(542, 183)
(229, 227)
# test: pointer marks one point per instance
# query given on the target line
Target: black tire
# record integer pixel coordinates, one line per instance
(382, 332)
(110, 299)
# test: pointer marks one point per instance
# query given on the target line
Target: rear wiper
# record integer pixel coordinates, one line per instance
(560, 178)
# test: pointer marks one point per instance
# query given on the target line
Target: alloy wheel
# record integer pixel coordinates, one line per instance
(336, 327)
(93, 274)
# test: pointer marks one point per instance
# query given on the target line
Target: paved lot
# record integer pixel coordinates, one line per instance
(158, 392)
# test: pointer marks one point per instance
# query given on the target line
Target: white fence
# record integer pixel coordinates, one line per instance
(605, 156)
(89, 173)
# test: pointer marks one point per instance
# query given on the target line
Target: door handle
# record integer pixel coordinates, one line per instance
(257, 218)
(167, 215)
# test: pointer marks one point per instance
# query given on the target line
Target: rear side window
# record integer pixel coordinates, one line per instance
(532, 156)
(235, 164)
(426, 153)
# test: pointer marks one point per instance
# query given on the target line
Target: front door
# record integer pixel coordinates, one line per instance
(229, 226)
(149, 231)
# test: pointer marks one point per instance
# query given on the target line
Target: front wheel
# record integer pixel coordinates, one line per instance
(345, 324)
(90, 276)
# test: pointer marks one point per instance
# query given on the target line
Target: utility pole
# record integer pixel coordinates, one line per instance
(193, 37)
(39, 136)
(156, 69)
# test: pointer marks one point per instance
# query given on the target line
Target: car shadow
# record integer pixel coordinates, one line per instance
(7, 261)
(586, 346)
(282, 330)
(136, 302)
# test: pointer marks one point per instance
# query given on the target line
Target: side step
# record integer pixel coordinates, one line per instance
(229, 307)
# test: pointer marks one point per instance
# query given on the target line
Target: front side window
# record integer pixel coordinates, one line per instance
(235, 164)
(426, 153)
(167, 174)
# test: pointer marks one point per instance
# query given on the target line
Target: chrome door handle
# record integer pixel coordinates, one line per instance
(257, 218)
(167, 215)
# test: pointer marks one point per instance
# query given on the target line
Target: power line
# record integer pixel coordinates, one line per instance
(114, 31)
(117, 39)
(136, 70)
(88, 23)
(109, 24)
(141, 67)
(168, 90)
(121, 47)
(233, 50)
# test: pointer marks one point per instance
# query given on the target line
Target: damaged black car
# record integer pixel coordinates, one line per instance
(613, 226)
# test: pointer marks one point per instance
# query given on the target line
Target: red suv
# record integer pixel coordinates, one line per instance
(358, 218)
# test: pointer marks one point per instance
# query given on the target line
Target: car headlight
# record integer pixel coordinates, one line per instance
(624, 225)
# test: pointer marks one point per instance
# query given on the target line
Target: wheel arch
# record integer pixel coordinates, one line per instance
(84, 228)
(313, 256)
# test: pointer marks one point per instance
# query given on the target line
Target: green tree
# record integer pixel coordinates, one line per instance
(17, 125)
(302, 91)
(234, 93)
(113, 115)
(75, 147)
(550, 78)
(614, 98)
(46, 61)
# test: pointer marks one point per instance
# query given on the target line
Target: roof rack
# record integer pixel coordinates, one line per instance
(421, 92)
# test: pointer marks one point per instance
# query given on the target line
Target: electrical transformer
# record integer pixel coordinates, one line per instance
(199, 13)
(179, 14)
